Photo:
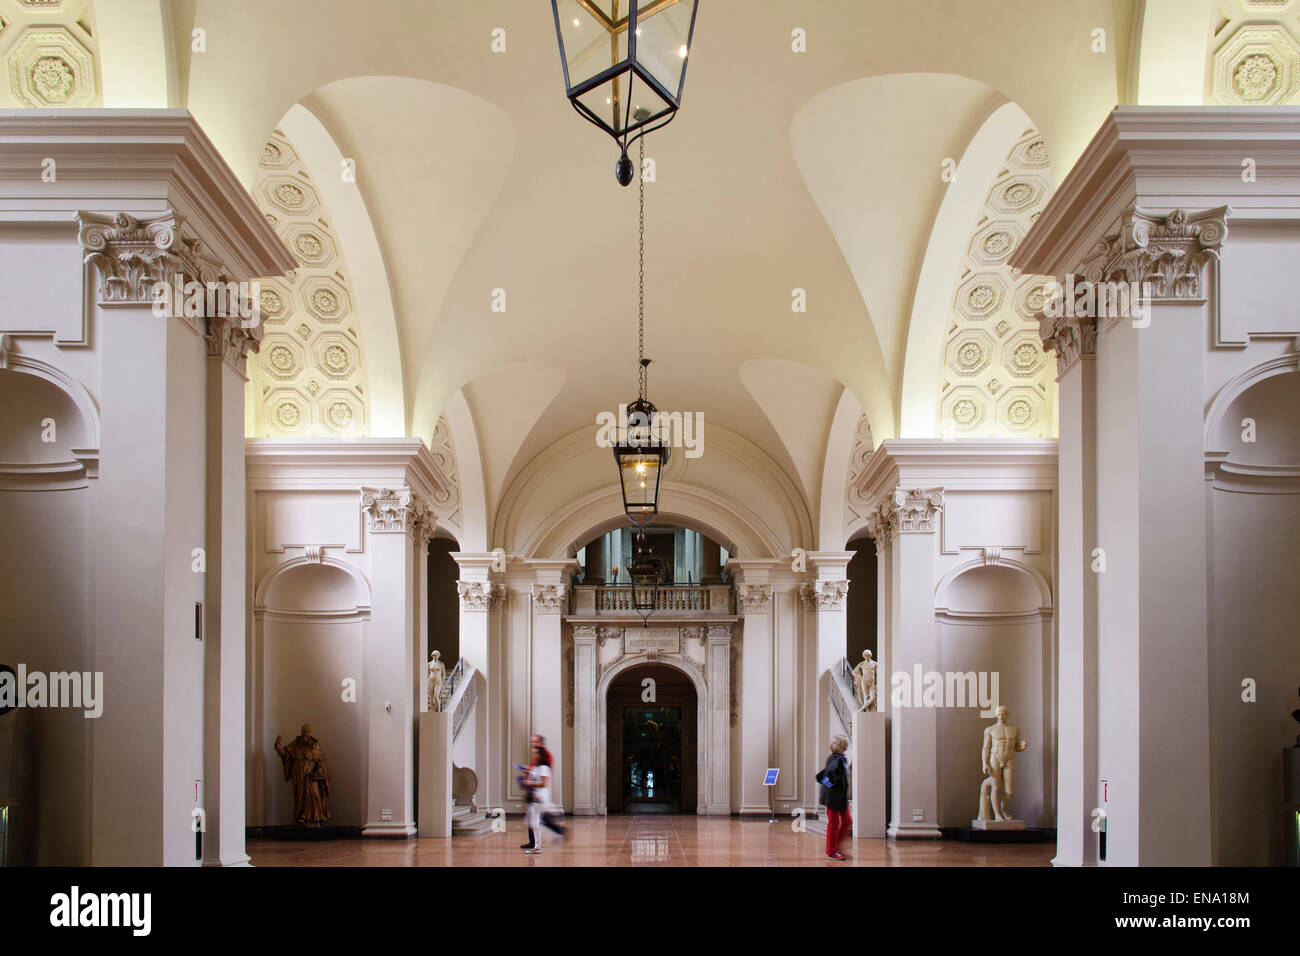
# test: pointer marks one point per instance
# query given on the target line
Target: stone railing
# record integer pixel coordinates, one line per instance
(452, 682)
(681, 599)
(843, 697)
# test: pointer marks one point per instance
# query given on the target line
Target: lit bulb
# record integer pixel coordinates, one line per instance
(576, 23)
(638, 31)
(682, 52)
(643, 484)
(608, 101)
(641, 468)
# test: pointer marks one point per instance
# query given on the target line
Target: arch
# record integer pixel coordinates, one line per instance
(359, 580)
(61, 380)
(696, 676)
(1237, 386)
(368, 278)
(1040, 582)
(983, 156)
(729, 524)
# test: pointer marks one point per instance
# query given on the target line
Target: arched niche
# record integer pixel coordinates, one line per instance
(49, 433)
(310, 625)
(993, 620)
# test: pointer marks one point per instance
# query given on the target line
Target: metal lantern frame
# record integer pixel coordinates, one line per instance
(639, 446)
(647, 574)
(628, 125)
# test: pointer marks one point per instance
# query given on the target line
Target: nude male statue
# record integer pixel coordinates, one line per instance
(437, 677)
(1002, 742)
(864, 680)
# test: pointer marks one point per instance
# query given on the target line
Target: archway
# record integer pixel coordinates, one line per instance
(651, 742)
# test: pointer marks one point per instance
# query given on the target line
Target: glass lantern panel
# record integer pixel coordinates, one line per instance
(590, 46)
(640, 475)
(608, 101)
(663, 33)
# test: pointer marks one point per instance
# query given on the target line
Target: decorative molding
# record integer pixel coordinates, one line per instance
(991, 340)
(446, 500)
(497, 597)
(991, 556)
(1070, 337)
(754, 598)
(51, 67)
(133, 255)
(475, 595)
(1168, 252)
(911, 511)
(310, 378)
(830, 595)
(313, 553)
(1258, 65)
(548, 598)
(395, 511)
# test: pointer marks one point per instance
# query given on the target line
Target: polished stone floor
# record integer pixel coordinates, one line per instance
(647, 841)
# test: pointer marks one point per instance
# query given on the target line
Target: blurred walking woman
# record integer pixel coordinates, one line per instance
(835, 797)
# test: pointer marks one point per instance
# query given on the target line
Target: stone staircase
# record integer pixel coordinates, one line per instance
(466, 821)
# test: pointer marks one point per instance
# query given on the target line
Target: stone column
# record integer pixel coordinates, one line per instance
(394, 517)
(827, 593)
(549, 597)
(909, 518)
(586, 671)
(718, 674)
(481, 604)
(754, 596)
(1075, 340)
(225, 593)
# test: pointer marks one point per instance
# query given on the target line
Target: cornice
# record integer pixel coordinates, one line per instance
(959, 464)
(109, 146)
(342, 463)
(1167, 158)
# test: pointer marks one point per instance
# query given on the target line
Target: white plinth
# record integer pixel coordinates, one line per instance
(997, 824)
(435, 775)
(868, 773)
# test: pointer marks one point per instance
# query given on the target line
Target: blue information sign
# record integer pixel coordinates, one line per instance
(770, 779)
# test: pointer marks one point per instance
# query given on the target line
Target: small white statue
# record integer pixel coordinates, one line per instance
(437, 677)
(864, 680)
(1002, 742)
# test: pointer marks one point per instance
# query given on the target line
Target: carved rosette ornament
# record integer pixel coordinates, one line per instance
(548, 598)
(396, 511)
(755, 598)
(830, 595)
(474, 595)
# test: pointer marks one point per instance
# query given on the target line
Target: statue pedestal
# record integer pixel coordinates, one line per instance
(868, 773)
(434, 818)
(997, 824)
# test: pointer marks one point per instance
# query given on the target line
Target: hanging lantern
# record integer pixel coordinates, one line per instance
(641, 459)
(625, 64)
(647, 573)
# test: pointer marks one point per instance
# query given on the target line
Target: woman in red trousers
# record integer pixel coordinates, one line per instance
(835, 797)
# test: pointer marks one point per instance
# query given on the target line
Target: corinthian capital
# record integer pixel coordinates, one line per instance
(396, 511)
(132, 255)
(548, 598)
(755, 598)
(830, 595)
(474, 595)
(911, 511)
(1168, 253)
(1070, 337)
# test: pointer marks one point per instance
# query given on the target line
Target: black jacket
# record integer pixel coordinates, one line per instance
(835, 783)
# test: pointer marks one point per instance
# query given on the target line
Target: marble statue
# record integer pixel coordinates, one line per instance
(864, 681)
(437, 678)
(304, 767)
(1002, 742)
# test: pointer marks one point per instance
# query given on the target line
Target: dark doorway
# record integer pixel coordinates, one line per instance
(860, 612)
(444, 601)
(651, 744)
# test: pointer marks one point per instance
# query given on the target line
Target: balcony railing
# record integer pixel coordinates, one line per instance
(672, 599)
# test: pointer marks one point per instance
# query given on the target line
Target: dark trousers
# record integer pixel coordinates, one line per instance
(838, 825)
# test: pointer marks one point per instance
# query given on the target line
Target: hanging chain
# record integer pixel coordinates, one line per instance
(641, 368)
